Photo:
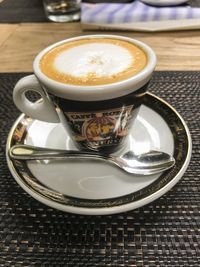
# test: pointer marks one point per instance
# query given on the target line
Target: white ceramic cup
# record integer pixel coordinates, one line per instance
(61, 100)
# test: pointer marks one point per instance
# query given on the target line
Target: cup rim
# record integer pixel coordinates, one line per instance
(97, 92)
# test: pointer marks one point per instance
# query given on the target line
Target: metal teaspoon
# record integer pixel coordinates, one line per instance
(148, 163)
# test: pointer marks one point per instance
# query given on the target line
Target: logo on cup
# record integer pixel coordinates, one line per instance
(99, 128)
(104, 127)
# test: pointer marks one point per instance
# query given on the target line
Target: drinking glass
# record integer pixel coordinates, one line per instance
(62, 10)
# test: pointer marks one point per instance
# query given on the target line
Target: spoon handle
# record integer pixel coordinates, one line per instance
(26, 152)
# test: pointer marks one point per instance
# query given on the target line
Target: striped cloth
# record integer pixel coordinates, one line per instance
(108, 13)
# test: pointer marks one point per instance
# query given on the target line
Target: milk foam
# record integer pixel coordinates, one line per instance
(95, 61)
(101, 59)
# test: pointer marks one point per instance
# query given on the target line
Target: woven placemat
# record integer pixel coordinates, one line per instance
(163, 233)
(14, 11)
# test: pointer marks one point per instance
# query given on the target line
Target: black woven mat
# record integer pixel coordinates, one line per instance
(14, 11)
(163, 233)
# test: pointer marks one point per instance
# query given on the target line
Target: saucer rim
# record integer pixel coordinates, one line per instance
(150, 2)
(104, 210)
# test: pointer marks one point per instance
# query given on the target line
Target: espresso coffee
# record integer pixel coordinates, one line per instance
(95, 61)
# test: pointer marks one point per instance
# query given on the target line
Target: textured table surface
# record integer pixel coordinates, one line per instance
(163, 233)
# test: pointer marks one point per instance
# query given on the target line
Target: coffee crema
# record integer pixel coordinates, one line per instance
(97, 61)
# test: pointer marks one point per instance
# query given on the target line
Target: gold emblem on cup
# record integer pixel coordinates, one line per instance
(102, 128)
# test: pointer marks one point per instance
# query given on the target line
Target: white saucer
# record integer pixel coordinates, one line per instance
(91, 187)
(164, 2)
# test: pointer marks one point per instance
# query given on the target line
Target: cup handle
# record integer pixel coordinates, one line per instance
(42, 110)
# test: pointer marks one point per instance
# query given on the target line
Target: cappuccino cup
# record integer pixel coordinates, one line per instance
(93, 84)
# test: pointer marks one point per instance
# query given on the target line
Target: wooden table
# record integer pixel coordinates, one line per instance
(19, 44)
